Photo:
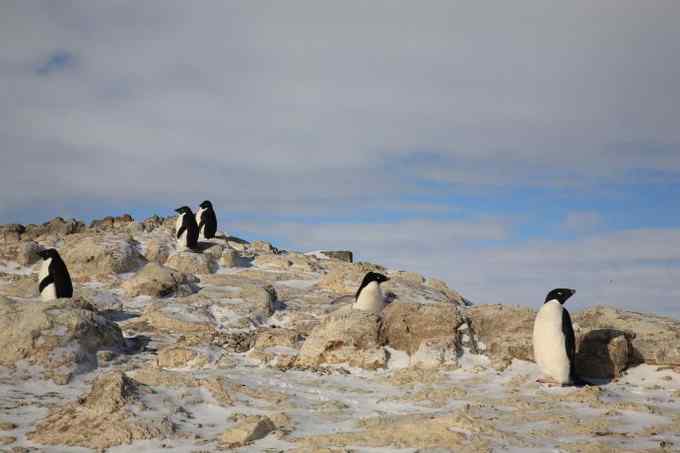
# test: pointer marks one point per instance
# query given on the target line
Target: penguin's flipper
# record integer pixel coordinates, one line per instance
(45, 282)
(569, 342)
(181, 230)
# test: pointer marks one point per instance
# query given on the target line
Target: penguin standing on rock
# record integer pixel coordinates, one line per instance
(206, 220)
(554, 342)
(369, 296)
(186, 229)
(54, 281)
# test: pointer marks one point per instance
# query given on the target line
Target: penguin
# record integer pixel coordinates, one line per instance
(369, 296)
(554, 343)
(186, 228)
(206, 220)
(54, 281)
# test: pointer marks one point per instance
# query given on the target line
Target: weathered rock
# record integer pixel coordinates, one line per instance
(263, 247)
(289, 261)
(453, 295)
(231, 258)
(234, 341)
(212, 248)
(602, 354)
(55, 227)
(343, 278)
(503, 332)
(158, 250)
(176, 318)
(407, 325)
(247, 430)
(268, 337)
(159, 281)
(20, 286)
(102, 300)
(192, 263)
(436, 352)
(87, 255)
(347, 336)
(110, 414)
(62, 336)
(11, 232)
(27, 253)
(654, 339)
(112, 223)
(342, 255)
(187, 357)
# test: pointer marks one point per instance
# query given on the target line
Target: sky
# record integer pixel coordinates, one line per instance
(506, 147)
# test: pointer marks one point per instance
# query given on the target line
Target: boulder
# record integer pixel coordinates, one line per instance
(188, 357)
(112, 223)
(247, 430)
(87, 255)
(111, 413)
(159, 281)
(27, 253)
(212, 248)
(232, 258)
(11, 232)
(20, 286)
(262, 247)
(62, 336)
(55, 227)
(346, 336)
(453, 295)
(602, 354)
(342, 255)
(503, 332)
(101, 299)
(653, 339)
(175, 318)
(158, 250)
(192, 263)
(406, 325)
(435, 352)
(344, 278)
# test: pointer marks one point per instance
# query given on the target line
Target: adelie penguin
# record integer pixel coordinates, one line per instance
(186, 229)
(369, 296)
(54, 281)
(554, 343)
(206, 220)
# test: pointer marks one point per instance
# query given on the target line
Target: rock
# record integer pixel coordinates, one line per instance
(260, 300)
(248, 430)
(112, 223)
(63, 336)
(158, 250)
(87, 255)
(435, 352)
(159, 281)
(503, 332)
(55, 227)
(453, 295)
(101, 299)
(7, 426)
(27, 253)
(175, 318)
(232, 258)
(654, 339)
(263, 247)
(192, 263)
(212, 248)
(343, 278)
(407, 325)
(346, 336)
(11, 232)
(268, 337)
(602, 354)
(234, 341)
(187, 357)
(21, 286)
(342, 255)
(6, 440)
(111, 414)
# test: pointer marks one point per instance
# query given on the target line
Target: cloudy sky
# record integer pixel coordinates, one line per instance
(507, 148)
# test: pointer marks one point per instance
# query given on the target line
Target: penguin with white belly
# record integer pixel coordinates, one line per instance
(186, 229)
(553, 339)
(206, 220)
(369, 296)
(54, 281)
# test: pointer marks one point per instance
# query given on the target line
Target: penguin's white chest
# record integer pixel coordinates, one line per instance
(182, 239)
(370, 299)
(50, 291)
(199, 213)
(550, 351)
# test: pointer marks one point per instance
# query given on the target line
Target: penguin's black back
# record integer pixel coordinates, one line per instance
(569, 342)
(208, 222)
(189, 223)
(62, 279)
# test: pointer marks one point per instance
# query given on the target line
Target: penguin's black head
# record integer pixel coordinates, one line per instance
(560, 294)
(206, 204)
(183, 210)
(48, 253)
(369, 278)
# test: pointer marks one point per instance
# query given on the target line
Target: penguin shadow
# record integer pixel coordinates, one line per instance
(595, 361)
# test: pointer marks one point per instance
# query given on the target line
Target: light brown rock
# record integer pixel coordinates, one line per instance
(158, 250)
(20, 286)
(159, 281)
(347, 336)
(110, 414)
(62, 336)
(186, 357)
(11, 232)
(55, 227)
(27, 253)
(192, 263)
(176, 318)
(345, 278)
(436, 352)
(406, 325)
(88, 255)
(248, 430)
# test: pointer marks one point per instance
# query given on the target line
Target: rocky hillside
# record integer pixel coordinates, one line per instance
(237, 347)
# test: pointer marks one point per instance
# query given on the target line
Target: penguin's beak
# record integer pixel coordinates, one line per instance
(573, 291)
(177, 211)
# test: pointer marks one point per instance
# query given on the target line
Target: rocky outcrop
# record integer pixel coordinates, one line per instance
(344, 278)
(653, 339)
(407, 325)
(248, 429)
(347, 336)
(159, 281)
(158, 250)
(24, 286)
(88, 255)
(11, 232)
(342, 255)
(62, 336)
(174, 317)
(192, 263)
(289, 261)
(55, 227)
(503, 332)
(112, 223)
(110, 414)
